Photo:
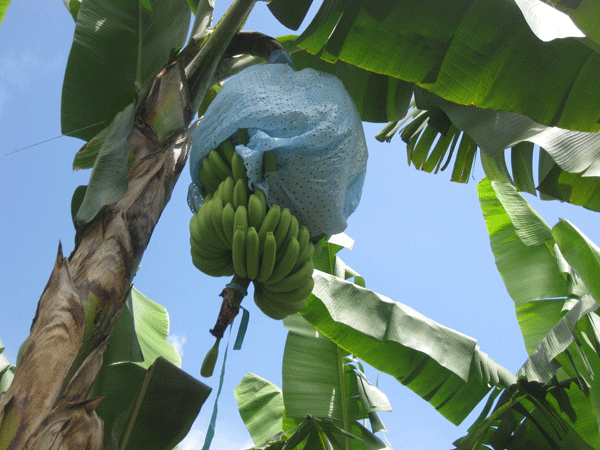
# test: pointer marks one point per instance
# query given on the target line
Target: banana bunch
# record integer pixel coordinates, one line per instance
(235, 233)
(221, 163)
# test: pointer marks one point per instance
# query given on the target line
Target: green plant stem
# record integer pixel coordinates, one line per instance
(201, 70)
(345, 416)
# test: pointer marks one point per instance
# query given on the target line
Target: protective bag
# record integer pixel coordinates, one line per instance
(312, 126)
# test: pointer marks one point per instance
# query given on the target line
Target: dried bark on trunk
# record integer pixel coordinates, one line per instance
(47, 405)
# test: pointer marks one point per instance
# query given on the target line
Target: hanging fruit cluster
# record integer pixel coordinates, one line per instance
(235, 232)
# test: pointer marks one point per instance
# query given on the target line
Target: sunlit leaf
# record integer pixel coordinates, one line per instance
(522, 244)
(260, 403)
(378, 98)
(581, 254)
(431, 43)
(547, 22)
(441, 365)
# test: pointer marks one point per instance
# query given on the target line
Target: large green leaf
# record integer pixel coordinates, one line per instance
(108, 182)
(444, 367)
(141, 333)
(260, 403)
(149, 409)
(581, 254)
(378, 98)
(118, 47)
(574, 188)
(584, 14)
(290, 13)
(526, 417)
(556, 305)
(431, 43)
(316, 380)
(573, 175)
(138, 363)
(522, 244)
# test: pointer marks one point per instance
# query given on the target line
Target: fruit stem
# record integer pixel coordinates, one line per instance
(232, 295)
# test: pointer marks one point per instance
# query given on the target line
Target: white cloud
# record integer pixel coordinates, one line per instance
(193, 440)
(224, 439)
(178, 340)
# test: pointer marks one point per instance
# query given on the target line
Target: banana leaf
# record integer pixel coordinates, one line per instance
(431, 44)
(7, 370)
(149, 409)
(553, 303)
(319, 380)
(3, 7)
(138, 341)
(378, 98)
(118, 47)
(583, 14)
(108, 181)
(581, 254)
(140, 334)
(444, 367)
(547, 22)
(573, 175)
(260, 404)
(522, 244)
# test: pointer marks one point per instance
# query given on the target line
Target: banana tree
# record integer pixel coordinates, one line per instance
(132, 87)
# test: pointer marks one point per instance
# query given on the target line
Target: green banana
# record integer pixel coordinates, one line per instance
(268, 307)
(256, 213)
(263, 199)
(283, 226)
(208, 365)
(225, 190)
(294, 280)
(227, 149)
(306, 247)
(252, 254)
(294, 228)
(288, 297)
(275, 310)
(241, 218)
(270, 222)
(208, 177)
(269, 164)
(238, 169)
(210, 236)
(220, 267)
(303, 240)
(291, 299)
(228, 220)
(267, 261)
(216, 214)
(218, 165)
(286, 264)
(239, 251)
(200, 239)
(291, 233)
(242, 136)
(240, 193)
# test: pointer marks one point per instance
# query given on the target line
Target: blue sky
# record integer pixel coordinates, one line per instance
(420, 240)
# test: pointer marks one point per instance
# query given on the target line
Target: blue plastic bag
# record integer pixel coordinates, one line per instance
(312, 126)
